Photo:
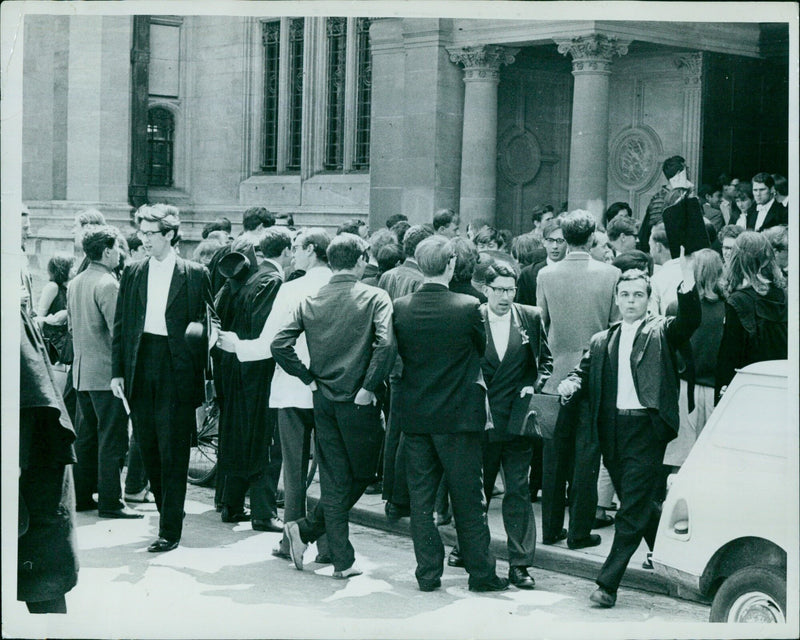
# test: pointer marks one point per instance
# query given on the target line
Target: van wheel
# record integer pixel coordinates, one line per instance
(752, 594)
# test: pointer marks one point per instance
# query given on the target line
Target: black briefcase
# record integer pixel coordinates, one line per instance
(534, 415)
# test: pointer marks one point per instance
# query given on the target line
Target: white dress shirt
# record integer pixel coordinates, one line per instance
(500, 328)
(286, 390)
(627, 398)
(762, 209)
(159, 278)
(664, 286)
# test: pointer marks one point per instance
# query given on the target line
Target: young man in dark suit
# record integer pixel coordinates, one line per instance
(768, 212)
(153, 364)
(440, 406)
(516, 363)
(628, 376)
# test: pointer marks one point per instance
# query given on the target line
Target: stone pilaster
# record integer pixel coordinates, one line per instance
(692, 67)
(479, 138)
(592, 57)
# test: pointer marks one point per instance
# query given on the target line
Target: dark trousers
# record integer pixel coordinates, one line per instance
(163, 423)
(263, 485)
(574, 458)
(518, 518)
(535, 479)
(635, 472)
(395, 486)
(136, 478)
(457, 456)
(348, 439)
(100, 447)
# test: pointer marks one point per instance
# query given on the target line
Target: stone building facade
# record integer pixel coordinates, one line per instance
(333, 118)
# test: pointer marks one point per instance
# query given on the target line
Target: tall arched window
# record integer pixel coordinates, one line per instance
(160, 134)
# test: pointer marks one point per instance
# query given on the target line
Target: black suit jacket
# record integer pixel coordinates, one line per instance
(777, 214)
(441, 338)
(527, 362)
(526, 283)
(189, 291)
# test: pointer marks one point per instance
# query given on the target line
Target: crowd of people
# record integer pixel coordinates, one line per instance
(403, 360)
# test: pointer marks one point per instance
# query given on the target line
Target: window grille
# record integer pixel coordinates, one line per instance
(296, 27)
(336, 31)
(363, 94)
(160, 133)
(271, 35)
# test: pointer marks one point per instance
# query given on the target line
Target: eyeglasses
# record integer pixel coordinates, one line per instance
(558, 241)
(148, 234)
(510, 291)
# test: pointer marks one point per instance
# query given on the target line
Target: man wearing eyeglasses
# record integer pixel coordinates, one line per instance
(556, 248)
(576, 296)
(152, 365)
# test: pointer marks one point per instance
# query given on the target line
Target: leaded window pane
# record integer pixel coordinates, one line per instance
(296, 26)
(160, 133)
(363, 94)
(271, 34)
(336, 29)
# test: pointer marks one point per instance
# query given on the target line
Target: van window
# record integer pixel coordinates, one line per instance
(755, 419)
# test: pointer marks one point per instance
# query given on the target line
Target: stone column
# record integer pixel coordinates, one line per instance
(588, 159)
(479, 136)
(692, 66)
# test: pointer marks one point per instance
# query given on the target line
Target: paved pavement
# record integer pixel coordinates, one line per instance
(223, 582)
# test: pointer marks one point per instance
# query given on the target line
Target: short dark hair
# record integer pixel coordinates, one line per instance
(319, 239)
(634, 274)
(706, 190)
(443, 217)
(673, 166)
(578, 227)
(134, 241)
(526, 248)
(744, 190)
(614, 210)
(538, 212)
(466, 259)
(388, 257)
(98, 240)
(499, 269)
(620, 225)
(764, 178)
(394, 219)
(166, 218)
(275, 240)
(399, 229)
(256, 217)
(413, 237)
(729, 231)
(351, 226)
(220, 224)
(344, 251)
(60, 266)
(634, 259)
(781, 184)
(433, 254)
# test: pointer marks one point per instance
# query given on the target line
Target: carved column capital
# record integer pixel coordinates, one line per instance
(483, 62)
(592, 53)
(692, 66)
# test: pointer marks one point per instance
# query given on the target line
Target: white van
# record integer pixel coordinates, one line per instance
(729, 516)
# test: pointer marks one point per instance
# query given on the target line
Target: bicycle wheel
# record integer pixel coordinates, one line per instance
(203, 457)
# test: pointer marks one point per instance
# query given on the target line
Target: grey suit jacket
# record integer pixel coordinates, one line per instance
(91, 302)
(576, 296)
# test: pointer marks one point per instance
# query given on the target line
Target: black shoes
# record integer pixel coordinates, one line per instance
(273, 524)
(592, 540)
(395, 511)
(374, 489)
(323, 558)
(433, 585)
(520, 578)
(562, 535)
(493, 584)
(90, 505)
(455, 559)
(279, 553)
(603, 598)
(605, 521)
(161, 545)
(231, 516)
(124, 513)
(648, 561)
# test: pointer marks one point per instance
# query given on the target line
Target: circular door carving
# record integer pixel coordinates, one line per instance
(635, 157)
(519, 155)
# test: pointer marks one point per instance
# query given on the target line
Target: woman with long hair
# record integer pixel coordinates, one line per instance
(756, 320)
(51, 310)
(698, 357)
